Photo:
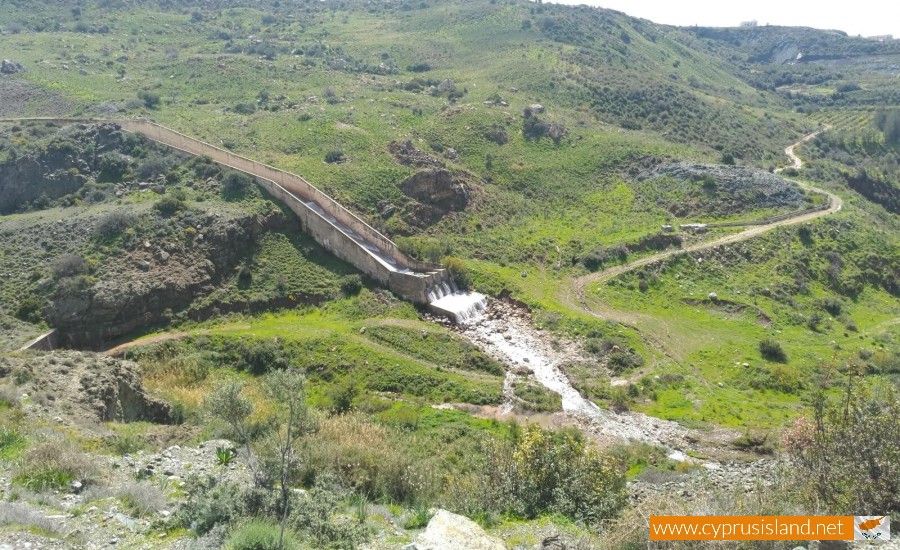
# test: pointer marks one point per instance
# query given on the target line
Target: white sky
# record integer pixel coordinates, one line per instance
(866, 17)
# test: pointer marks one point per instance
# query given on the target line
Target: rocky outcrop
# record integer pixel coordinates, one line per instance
(438, 192)
(435, 190)
(86, 386)
(722, 190)
(145, 286)
(58, 169)
(448, 531)
(406, 154)
(11, 67)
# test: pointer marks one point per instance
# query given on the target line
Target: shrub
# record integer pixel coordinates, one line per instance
(542, 473)
(127, 443)
(315, 514)
(114, 223)
(457, 269)
(845, 455)
(151, 100)
(168, 206)
(113, 167)
(757, 442)
(210, 502)
(259, 534)
(22, 515)
(31, 309)
(771, 350)
(69, 265)
(11, 442)
(619, 400)
(814, 321)
(536, 397)
(154, 165)
(333, 157)
(831, 305)
(236, 184)
(141, 499)
(364, 457)
(351, 285)
(53, 465)
(244, 108)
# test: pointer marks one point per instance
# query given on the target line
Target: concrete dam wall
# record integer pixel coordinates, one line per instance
(330, 224)
(334, 227)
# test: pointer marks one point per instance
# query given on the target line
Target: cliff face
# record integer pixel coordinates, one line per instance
(57, 168)
(146, 286)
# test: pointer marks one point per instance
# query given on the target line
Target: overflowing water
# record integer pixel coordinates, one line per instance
(462, 307)
(517, 344)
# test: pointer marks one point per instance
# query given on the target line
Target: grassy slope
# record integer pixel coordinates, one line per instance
(543, 203)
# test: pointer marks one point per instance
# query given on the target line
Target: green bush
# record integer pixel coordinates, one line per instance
(236, 184)
(168, 206)
(757, 442)
(771, 349)
(334, 157)
(113, 167)
(210, 502)
(351, 285)
(113, 224)
(53, 465)
(457, 269)
(69, 265)
(151, 99)
(536, 397)
(11, 442)
(244, 108)
(31, 309)
(845, 457)
(259, 534)
(541, 473)
(316, 516)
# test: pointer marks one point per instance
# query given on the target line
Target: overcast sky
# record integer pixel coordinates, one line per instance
(865, 17)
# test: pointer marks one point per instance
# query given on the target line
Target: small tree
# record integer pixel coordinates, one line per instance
(286, 388)
(228, 403)
(848, 454)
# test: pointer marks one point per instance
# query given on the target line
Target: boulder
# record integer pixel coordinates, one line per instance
(448, 531)
(11, 67)
(438, 188)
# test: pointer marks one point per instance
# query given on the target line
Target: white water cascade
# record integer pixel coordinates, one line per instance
(461, 306)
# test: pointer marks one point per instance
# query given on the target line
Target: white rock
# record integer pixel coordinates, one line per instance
(448, 531)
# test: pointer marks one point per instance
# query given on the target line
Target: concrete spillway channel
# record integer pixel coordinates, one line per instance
(334, 227)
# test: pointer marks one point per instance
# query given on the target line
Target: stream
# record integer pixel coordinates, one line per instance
(506, 333)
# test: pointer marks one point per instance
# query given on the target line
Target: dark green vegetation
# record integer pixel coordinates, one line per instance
(522, 144)
(864, 158)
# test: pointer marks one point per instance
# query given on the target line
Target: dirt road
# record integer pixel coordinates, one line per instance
(573, 295)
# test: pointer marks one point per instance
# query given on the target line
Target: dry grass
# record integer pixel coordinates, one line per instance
(631, 530)
(366, 457)
(53, 465)
(22, 515)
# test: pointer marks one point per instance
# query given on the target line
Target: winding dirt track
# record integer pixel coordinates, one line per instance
(573, 294)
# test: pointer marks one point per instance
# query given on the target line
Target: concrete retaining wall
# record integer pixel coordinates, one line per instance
(411, 278)
(295, 192)
(44, 342)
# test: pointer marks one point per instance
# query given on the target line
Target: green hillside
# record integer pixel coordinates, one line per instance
(553, 156)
